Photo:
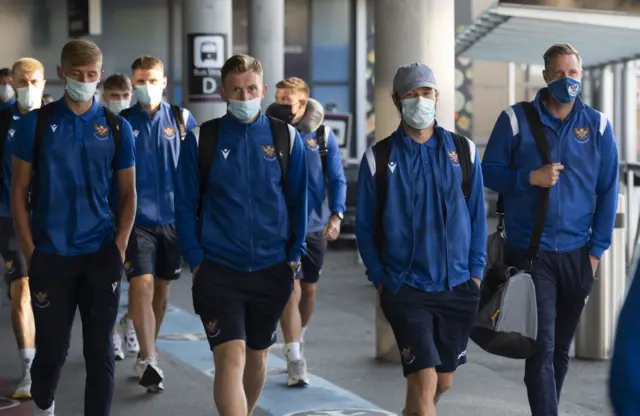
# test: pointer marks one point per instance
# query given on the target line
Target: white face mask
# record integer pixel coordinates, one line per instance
(29, 97)
(149, 94)
(6, 92)
(118, 105)
(418, 112)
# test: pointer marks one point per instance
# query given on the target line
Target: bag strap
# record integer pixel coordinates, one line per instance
(179, 117)
(323, 138)
(464, 159)
(44, 114)
(126, 113)
(116, 132)
(282, 142)
(382, 151)
(6, 116)
(207, 145)
(542, 144)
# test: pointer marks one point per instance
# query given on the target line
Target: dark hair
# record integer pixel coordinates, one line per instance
(80, 52)
(147, 62)
(117, 82)
(240, 63)
(5, 72)
(560, 49)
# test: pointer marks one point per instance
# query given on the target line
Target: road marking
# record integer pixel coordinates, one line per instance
(182, 336)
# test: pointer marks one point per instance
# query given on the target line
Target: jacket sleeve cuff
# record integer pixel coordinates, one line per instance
(523, 179)
(477, 272)
(294, 256)
(195, 259)
(375, 276)
(596, 251)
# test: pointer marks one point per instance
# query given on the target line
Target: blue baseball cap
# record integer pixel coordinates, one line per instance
(411, 76)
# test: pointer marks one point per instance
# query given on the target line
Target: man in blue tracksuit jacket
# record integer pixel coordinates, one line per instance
(73, 245)
(244, 239)
(583, 182)
(153, 255)
(624, 382)
(7, 93)
(327, 195)
(431, 259)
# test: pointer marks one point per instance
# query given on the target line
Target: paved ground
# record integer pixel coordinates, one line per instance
(340, 352)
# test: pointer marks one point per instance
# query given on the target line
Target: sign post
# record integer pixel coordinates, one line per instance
(206, 54)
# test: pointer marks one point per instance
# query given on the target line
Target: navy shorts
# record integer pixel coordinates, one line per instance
(432, 328)
(15, 264)
(314, 259)
(154, 251)
(235, 305)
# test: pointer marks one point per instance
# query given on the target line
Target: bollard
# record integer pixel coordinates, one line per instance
(386, 349)
(596, 332)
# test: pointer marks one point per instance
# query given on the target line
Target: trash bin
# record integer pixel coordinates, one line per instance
(596, 332)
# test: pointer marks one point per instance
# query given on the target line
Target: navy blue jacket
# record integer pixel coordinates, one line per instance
(583, 203)
(430, 243)
(75, 171)
(9, 103)
(5, 190)
(248, 221)
(157, 151)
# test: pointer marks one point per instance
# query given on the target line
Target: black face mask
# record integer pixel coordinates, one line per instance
(282, 112)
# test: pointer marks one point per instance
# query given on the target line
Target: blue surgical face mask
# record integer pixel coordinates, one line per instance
(118, 105)
(149, 94)
(80, 91)
(244, 111)
(565, 90)
(418, 112)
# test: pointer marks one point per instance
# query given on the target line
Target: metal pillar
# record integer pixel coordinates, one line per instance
(607, 93)
(266, 41)
(587, 87)
(207, 42)
(429, 24)
(511, 83)
(628, 151)
(361, 79)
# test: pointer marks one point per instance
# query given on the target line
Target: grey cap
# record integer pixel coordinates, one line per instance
(411, 76)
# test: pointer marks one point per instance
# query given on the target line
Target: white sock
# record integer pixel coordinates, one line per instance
(27, 355)
(304, 329)
(130, 326)
(293, 351)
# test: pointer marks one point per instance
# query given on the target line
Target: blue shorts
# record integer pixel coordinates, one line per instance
(432, 328)
(235, 305)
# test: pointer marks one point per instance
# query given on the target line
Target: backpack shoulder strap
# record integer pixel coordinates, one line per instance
(116, 132)
(207, 139)
(44, 114)
(382, 151)
(178, 115)
(323, 139)
(542, 144)
(463, 148)
(6, 116)
(283, 139)
(125, 113)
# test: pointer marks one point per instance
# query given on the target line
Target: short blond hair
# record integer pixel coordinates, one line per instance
(294, 83)
(240, 63)
(147, 62)
(27, 65)
(560, 49)
(80, 52)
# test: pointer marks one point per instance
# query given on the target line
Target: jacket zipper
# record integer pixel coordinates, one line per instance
(559, 183)
(246, 136)
(446, 222)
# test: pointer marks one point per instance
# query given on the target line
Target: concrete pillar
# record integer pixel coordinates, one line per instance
(629, 152)
(618, 112)
(207, 27)
(512, 82)
(587, 88)
(408, 31)
(360, 118)
(606, 93)
(266, 41)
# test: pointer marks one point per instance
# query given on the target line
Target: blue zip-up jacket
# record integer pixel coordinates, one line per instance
(5, 104)
(624, 382)
(73, 216)
(248, 220)
(583, 202)
(157, 151)
(434, 238)
(5, 192)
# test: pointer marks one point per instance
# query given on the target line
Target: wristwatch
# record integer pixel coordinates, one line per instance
(340, 215)
(295, 266)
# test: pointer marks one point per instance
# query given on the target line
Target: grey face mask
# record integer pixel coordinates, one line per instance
(6, 92)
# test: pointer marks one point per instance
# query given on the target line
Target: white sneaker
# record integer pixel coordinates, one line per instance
(23, 391)
(47, 412)
(117, 347)
(157, 388)
(150, 375)
(297, 371)
(130, 337)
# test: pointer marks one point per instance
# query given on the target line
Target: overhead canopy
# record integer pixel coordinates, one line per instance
(521, 34)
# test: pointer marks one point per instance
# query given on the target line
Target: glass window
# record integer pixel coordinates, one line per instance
(296, 39)
(331, 39)
(333, 98)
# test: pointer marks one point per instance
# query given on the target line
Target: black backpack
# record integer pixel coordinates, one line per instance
(6, 117)
(42, 122)
(177, 115)
(382, 152)
(208, 146)
(322, 139)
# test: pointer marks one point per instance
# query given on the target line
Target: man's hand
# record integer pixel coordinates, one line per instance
(594, 264)
(122, 248)
(476, 281)
(194, 273)
(546, 176)
(332, 229)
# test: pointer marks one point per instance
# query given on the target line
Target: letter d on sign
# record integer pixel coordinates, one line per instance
(209, 85)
